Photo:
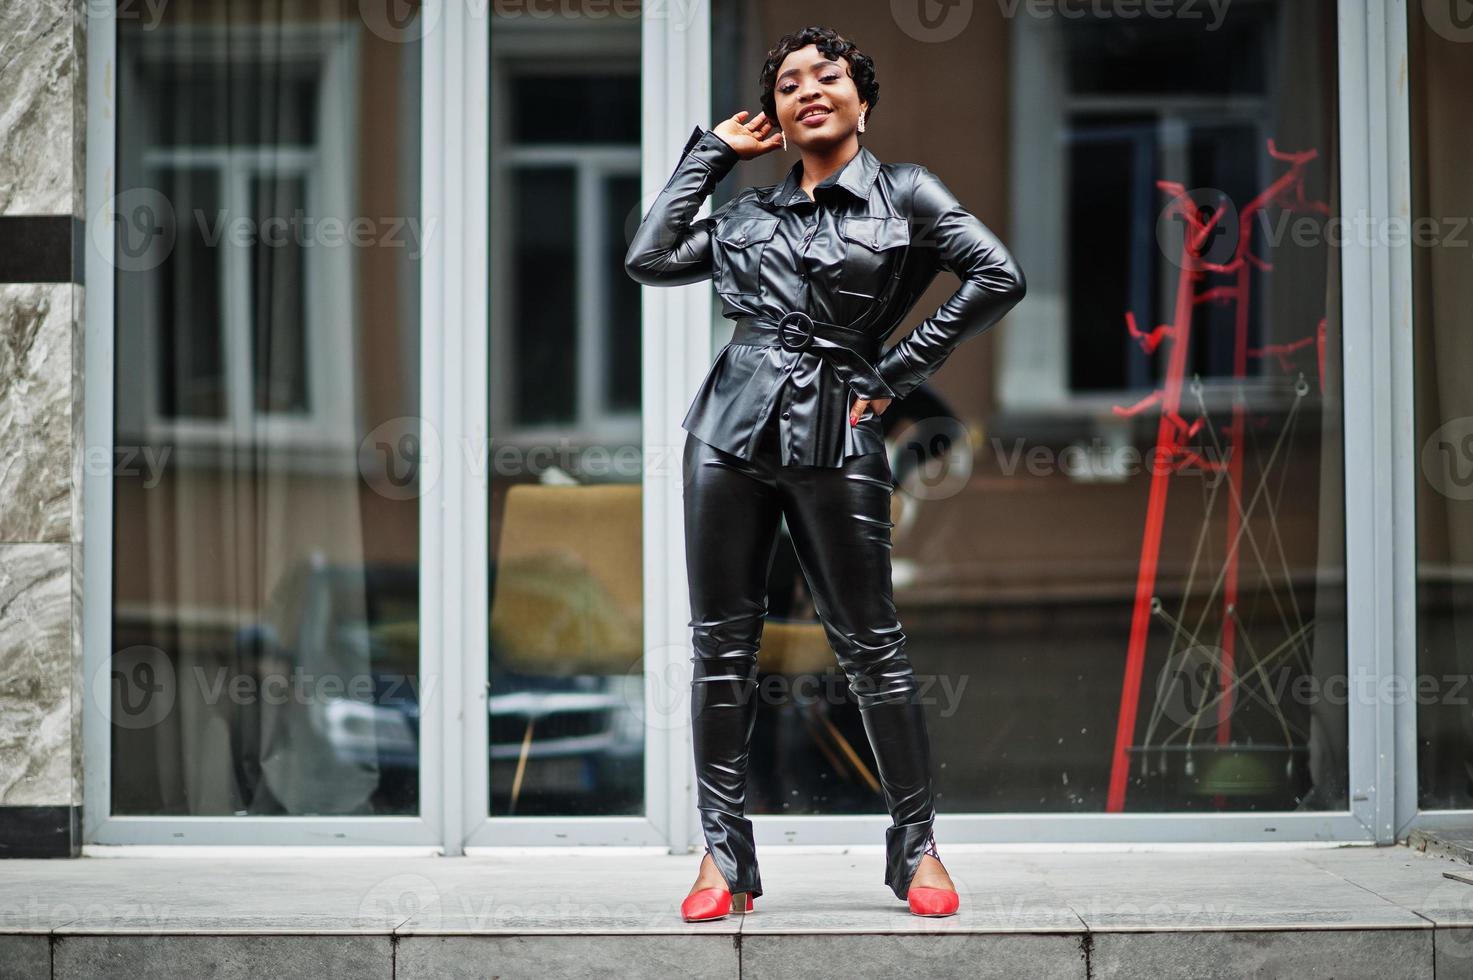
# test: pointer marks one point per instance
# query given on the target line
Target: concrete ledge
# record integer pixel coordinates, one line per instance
(1453, 843)
(1385, 913)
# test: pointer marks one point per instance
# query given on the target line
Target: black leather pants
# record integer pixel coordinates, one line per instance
(839, 519)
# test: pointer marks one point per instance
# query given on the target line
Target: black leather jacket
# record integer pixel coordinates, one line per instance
(857, 255)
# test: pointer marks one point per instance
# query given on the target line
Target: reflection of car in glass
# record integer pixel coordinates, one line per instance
(582, 736)
(575, 742)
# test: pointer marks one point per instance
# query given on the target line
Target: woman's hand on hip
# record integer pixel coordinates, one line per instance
(860, 404)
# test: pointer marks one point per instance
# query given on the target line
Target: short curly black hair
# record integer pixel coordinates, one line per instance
(833, 45)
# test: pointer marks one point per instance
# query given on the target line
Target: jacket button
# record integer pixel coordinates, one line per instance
(741, 238)
(786, 415)
(875, 243)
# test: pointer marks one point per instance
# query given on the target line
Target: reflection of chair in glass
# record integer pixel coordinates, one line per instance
(566, 691)
(566, 695)
(796, 649)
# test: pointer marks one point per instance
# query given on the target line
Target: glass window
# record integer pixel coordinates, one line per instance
(593, 106)
(190, 285)
(278, 299)
(1092, 636)
(1441, 63)
(567, 619)
(265, 560)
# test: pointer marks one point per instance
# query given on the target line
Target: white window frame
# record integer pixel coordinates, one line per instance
(1379, 458)
(455, 310)
(103, 831)
(663, 384)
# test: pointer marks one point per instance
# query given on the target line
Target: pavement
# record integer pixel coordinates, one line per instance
(1197, 911)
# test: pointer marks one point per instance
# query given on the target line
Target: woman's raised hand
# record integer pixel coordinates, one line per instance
(751, 138)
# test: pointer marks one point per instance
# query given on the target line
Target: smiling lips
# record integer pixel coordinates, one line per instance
(814, 115)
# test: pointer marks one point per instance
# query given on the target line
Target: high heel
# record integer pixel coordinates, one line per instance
(717, 902)
(714, 903)
(932, 901)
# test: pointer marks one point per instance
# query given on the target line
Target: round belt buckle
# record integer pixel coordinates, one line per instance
(805, 323)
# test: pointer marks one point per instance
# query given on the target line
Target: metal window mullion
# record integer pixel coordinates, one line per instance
(97, 421)
(675, 352)
(453, 388)
(1400, 803)
(1371, 489)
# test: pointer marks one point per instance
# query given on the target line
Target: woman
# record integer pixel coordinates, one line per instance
(816, 271)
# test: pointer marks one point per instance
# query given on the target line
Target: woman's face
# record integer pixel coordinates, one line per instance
(817, 103)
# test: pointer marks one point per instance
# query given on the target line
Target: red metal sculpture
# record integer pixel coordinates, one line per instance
(1172, 452)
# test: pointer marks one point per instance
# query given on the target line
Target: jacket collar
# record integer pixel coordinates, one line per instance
(856, 177)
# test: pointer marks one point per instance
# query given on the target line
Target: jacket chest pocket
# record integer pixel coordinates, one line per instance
(873, 250)
(742, 240)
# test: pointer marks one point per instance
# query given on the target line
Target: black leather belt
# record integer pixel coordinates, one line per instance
(850, 352)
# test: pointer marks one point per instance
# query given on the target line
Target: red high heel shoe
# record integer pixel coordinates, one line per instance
(932, 901)
(714, 903)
